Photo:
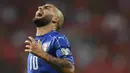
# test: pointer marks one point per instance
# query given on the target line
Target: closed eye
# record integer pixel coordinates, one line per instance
(47, 7)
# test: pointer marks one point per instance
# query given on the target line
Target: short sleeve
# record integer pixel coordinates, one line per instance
(63, 49)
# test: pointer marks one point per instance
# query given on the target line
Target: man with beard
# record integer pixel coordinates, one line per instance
(50, 51)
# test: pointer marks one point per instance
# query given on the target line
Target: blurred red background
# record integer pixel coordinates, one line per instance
(97, 29)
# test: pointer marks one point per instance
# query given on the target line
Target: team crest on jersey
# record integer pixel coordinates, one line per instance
(45, 46)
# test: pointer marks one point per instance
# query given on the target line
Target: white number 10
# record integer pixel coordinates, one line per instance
(33, 62)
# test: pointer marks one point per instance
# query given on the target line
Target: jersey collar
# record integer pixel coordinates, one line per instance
(53, 31)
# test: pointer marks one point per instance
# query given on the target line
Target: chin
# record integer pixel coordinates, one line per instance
(38, 21)
(42, 21)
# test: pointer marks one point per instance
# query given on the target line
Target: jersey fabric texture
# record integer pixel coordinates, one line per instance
(55, 44)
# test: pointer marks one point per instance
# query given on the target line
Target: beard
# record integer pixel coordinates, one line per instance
(40, 22)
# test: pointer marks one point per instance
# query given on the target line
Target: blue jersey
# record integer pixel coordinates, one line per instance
(54, 44)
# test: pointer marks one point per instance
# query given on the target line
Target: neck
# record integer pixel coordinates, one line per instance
(44, 30)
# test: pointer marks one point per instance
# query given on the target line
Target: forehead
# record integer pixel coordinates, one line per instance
(51, 5)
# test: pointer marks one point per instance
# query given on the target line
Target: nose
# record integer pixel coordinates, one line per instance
(40, 7)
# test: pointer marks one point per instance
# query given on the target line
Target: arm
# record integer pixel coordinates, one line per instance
(60, 64)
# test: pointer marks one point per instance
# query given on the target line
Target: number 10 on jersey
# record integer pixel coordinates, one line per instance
(33, 62)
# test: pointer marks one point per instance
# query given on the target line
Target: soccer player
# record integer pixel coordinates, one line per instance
(50, 51)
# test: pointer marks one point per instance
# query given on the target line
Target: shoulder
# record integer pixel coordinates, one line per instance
(57, 36)
(59, 39)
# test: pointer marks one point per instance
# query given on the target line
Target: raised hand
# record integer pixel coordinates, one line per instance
(33, 47)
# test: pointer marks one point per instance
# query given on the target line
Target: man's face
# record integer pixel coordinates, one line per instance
(44, 15)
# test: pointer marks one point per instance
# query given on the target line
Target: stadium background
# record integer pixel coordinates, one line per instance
(98, 30)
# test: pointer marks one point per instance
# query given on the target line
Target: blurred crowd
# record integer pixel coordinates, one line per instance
(97, 29)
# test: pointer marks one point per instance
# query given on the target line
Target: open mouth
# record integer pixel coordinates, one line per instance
(39, 15)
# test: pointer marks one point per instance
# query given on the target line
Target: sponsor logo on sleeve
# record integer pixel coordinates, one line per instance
(65, 51)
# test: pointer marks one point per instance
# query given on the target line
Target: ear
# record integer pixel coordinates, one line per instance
(55, 20)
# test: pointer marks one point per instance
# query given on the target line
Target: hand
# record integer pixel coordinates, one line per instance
(33, 47)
